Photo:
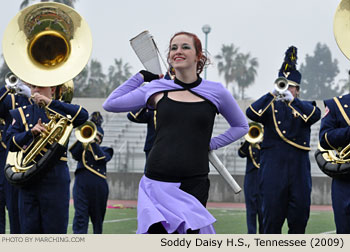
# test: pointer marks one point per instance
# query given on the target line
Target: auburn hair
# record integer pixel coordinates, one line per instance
(202, 59)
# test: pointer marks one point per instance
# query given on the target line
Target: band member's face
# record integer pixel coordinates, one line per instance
(294, 91)
(182, 53)
(46, 91)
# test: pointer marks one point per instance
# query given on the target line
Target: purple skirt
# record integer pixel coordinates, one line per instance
(177, 210)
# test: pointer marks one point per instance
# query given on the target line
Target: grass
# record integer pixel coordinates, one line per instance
(229, 221)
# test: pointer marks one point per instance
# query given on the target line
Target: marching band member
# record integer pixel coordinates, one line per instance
(174, 190)
(44, 205)
(2, 180)
(148, 116)
(11, 97)
(285, 183)
(335, 135)
(90, 190)
(251, 151)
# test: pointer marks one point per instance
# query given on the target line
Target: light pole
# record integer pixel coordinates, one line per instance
(206, 29)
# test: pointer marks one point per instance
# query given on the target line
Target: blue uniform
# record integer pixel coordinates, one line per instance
(2, 180)
(44, 205)
(145, 116)
(9, 101)
(90, 190)
(251, 185)
(285, 181)
(335, 134)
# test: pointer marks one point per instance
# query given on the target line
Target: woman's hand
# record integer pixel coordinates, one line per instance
(148, 76)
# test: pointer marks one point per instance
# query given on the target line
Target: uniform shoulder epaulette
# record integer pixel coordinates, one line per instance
(260, 106)
(342, 106)
(307, 110)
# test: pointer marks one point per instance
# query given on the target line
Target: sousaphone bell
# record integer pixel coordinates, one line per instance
(47, 44)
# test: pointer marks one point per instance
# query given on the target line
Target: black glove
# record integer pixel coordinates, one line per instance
(148, 76)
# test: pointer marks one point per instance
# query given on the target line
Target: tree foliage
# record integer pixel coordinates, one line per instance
(92, 82)
(237, 68)
(246, 72)
(318, 75)
(227, 65)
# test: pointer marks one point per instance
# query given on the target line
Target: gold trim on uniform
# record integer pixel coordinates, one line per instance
(7, 91)
(342, 111)
(283, 137)
(155, 119)
(329, 144)
(13, 100)
(94, 155)
(304, 117)
(252, 157)
(24, 121)
(91, 169)
(3, 145)
(80, 107)
(261, 112)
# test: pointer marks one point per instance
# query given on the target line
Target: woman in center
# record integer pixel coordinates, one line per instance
(174, 190)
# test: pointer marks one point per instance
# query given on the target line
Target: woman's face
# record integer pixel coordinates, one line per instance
(182, 53)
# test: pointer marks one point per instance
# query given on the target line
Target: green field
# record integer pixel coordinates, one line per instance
(229, 221)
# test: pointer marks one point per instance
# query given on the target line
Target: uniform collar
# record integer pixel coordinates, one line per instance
(188, 85)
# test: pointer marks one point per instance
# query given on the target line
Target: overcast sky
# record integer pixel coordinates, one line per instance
(265, 28)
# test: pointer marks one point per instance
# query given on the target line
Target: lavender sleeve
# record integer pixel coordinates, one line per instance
(230, 110)
(127, 96)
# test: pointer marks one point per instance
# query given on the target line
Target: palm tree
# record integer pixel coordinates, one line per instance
(117, 74)
(227, 64)
(246, 71)
(70, 3)
(91, 81)
(97, 80)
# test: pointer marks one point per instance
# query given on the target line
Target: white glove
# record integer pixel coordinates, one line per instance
(287, 96)
(275, 92)
(23, 89)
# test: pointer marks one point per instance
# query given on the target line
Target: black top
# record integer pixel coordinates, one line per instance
(183, 134)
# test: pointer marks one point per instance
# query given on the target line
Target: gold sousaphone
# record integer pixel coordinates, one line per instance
(336, 163)
(46, 44)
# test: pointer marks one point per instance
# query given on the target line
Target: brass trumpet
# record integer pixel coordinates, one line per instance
(11, 80)
(255, 133)
(281, 85)
(86, 133)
